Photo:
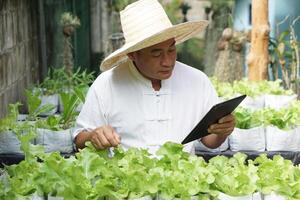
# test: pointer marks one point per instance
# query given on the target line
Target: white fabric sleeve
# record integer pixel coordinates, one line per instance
(92, 113)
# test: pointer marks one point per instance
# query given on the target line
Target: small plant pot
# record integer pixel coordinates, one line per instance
(282, 140)
(35, 196)
(159, 197)
(22, 117)
(55, 140)
(148, 197)
(248, 139)
(279, 101)
(55, 198)
(273, 196)
(253, 103)
(9, 143)
(50, 99)
(255, 196)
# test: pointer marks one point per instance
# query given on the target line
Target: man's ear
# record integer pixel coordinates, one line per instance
(131, 56)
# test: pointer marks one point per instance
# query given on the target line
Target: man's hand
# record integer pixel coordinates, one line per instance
(220, 132)
(104, 137)
(224, 126)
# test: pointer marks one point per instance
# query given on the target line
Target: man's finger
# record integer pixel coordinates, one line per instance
(223, 131)
(96, 142)
(103, 138)
(110, 137)
(227, 118)
(222, 126)
(117, 138)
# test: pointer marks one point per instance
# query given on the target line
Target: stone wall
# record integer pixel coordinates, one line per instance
(19, 61)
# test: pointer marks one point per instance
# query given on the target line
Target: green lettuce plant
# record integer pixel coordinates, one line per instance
(67, 118)
(34, 105)
(10, 121)
(234, 176)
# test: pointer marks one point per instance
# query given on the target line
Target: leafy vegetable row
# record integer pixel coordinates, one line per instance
(92, 174)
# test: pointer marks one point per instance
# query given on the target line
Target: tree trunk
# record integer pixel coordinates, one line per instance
(258, 57)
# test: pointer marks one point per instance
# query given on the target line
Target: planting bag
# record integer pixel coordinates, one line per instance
(279, 101)
(282, 140)
(255, 196)
(9, 143)
(253, 103)
(273, 196)
(50, 99)
(55, 140)
(248, 139)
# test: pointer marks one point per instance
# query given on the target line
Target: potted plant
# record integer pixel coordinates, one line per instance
(249, 133)
(55, 132)
(51, 87)
(278, 178)
(276, 96)
(235, 178)
(35, 107)
(282, 131)
(79, 84)
(11, 131)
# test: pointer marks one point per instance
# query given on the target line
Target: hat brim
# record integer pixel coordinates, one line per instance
(180, 33)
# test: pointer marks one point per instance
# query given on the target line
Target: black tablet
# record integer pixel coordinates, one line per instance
(214, 114)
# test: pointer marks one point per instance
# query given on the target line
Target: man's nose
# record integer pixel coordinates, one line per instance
(167, 60)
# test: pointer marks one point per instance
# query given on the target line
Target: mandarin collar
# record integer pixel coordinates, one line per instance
(165, 84)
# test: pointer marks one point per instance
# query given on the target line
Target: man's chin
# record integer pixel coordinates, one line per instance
(164, 75)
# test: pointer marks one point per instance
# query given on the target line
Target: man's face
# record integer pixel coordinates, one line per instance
(156, 62)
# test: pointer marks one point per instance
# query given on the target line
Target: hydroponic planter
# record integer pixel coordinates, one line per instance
(248, 139)
(192, 198)
(50, 99)
(273, 196)
(279, 101)
(9, 143)
(253, 103)
(55, 140)
(255, 196)
(282, 140)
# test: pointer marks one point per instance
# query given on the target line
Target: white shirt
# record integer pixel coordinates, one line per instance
(144, 118)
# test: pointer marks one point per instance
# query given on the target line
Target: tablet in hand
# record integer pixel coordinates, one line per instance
(214, 114)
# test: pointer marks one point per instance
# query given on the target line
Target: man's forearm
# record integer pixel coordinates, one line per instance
(81, 138)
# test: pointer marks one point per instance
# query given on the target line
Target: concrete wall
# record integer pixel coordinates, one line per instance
(19, 59)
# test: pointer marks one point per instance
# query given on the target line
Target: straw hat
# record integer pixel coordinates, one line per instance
(145, 23)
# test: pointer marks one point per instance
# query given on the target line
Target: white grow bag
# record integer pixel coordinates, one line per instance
(55, 140)
(282, 140)
(279, 101)
(161, 198)
(253, 103)
(50, 99)
(273, 196)
(248, 139)
(9, 143)
(255, 196)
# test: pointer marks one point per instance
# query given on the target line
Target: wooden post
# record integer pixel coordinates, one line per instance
(258, 58)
